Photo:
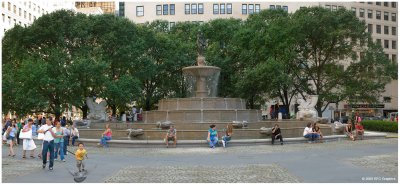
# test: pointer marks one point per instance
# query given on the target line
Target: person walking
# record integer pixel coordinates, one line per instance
(19, 126)
(58, 141)
(12, 130)
(80, 155)
(28, 143)
(48, 143)
(67, 135)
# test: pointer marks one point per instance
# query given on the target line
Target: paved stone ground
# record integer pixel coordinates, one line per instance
(372, 160)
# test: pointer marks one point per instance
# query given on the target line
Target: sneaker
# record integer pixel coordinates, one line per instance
(223, 144)
(50, 168)
(63, 160)
(44, 166)
(281, 143)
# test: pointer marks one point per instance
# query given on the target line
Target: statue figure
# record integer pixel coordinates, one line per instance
(306, 107)
(97, 110)
(201, 46)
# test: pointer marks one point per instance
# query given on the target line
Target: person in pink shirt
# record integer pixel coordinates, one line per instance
(106, 136)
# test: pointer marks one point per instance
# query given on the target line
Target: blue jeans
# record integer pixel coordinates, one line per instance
(73, 140)
(59, 148)
(104, 139)
(48, 147)
(312, 136)
(66, 143)
(213, 141)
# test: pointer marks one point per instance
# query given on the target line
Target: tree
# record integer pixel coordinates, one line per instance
(45, 49)
(325, 41)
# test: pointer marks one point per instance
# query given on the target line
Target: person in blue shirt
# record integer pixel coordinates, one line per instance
(212, 137)
(11, 130)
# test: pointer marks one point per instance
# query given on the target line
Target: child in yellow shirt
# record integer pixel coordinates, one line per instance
(79, 154)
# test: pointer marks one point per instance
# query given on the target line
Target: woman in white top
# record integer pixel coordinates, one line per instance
(28, 144)
(74, 134)
(308, 133)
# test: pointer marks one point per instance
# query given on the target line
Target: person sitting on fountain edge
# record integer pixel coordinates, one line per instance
(276, 134)
(171, 135)
(212, 137)
(308, 133)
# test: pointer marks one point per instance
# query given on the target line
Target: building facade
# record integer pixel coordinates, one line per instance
(381, 18)
(106, 7)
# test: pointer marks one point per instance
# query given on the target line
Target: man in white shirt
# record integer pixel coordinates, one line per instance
(74, 134)
(308, 133)
(134, 111)
(48, 143)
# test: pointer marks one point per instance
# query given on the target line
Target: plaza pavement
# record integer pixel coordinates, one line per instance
(373, 160)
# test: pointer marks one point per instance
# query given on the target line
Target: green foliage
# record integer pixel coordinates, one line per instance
(383, 126)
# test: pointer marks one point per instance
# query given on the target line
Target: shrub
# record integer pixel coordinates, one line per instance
(377, 125)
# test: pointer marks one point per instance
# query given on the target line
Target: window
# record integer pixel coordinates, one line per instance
(378, 29)
(387, 99)
(4, 17)
(34, 18)
(42, 11)
(394, 58)
(15, 21)
(378, 3)
(30, 16)
(165, 9)
(286, 8)
(194, 8)
(278, 6)
(393, 30)
(139, 11)
(334, 8)
(378, 15)
(379, 42)
(369, 28)
(369, 2)
(361, 12)
(386, 16)
(393, 4)
(222, 8)
(34, 7)
(15, 9)
(394, 44)
(201, 22)
(158, 9)
(229, 8)
(215, 9)
(39, 9)
(24, 14)
(9, 20)
(271, 6)
(171, 24)
(354, 10)
(340, 7)
(20, 12)
(172, 9)
(370, 14)
(385, 4)
(257, 8)
(244, 8)
(187, 8)
(328, 7)
(386, 30)
(201, 8)
(394, 17)
(251, 8)
(9, 6)
(387, 56)
(19, 22)
(386, 43)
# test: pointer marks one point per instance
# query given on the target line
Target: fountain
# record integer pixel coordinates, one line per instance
(203, 105)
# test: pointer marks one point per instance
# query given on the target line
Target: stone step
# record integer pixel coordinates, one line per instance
(233, 142)
(193, 134)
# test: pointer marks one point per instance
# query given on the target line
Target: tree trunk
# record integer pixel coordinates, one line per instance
(147, 103)
(318, 107)
(114, 110)
(84, 109)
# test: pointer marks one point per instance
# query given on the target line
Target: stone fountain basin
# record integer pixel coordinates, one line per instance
(208, 103)
(201, 71)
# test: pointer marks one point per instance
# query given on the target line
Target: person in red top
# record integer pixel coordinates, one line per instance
(359, 130)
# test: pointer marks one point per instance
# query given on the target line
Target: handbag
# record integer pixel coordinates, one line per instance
(26, 135)
(40, 136)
